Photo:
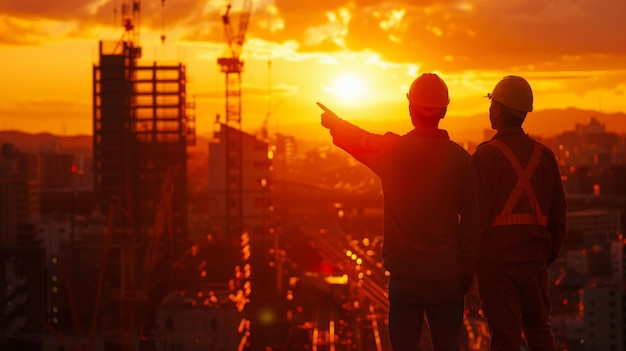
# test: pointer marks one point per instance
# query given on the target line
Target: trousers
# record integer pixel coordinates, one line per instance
(515, 302)
(441, 302)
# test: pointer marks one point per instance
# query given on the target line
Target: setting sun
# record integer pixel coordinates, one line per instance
(359, 60)
(348, 88)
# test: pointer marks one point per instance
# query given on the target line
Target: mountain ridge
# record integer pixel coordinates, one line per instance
(461, 129)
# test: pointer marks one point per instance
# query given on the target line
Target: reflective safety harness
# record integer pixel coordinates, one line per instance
(507, 217)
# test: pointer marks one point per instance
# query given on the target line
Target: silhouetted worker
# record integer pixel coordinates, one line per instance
(523, 215)
(431, 222)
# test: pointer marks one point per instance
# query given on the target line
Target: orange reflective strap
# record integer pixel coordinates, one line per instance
(507, 217)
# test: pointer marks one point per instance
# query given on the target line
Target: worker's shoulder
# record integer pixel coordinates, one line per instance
(389, 138)
(483, 148)
(458, 148)
(483, 143)
(453, 152)
(547, 151)
(533, 142)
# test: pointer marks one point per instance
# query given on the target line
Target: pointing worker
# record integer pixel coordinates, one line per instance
(431, 221)
(523, 217)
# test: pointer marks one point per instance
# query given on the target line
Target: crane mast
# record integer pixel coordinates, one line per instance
(232, 66)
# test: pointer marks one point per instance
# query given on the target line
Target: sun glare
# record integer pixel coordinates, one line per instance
(347, 88)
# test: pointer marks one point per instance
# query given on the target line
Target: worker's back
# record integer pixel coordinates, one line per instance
(425, 177)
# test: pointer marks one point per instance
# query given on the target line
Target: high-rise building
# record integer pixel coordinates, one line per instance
(253, 182)
(285, 156)
(241, 209)
(19, 192)
(594, 225)
(604, 318)
(22, 276)
(22, 268)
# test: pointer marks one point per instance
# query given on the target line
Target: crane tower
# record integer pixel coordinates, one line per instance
(232, 66)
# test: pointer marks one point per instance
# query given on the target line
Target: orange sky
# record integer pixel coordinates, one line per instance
(357, 57)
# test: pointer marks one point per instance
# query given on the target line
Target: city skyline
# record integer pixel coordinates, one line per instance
(356, 57)
(328, 219)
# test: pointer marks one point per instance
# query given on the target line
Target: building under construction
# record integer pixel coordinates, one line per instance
(141, 129)
(142, 125)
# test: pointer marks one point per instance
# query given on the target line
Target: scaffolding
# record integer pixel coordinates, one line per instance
(142, 125)
(142, 128)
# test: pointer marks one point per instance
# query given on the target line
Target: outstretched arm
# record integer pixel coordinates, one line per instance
(361, 144)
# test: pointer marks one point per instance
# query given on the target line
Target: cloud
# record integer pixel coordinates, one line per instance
(444, 34)
(48, 10)
(17, 32)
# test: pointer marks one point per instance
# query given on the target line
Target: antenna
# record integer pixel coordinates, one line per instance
(115, 12)
(162, 21)
(264, 134)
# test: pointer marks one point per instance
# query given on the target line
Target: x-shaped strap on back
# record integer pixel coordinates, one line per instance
(507, 217)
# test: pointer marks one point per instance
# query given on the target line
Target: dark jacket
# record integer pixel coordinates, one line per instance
(497, 178)
(431, 221)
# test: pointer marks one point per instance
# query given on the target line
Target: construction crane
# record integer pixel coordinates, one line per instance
(232, 66)
(130, 22)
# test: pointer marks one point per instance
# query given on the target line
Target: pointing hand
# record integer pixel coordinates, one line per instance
(328, 117)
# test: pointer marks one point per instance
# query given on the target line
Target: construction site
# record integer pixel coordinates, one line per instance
(143, 123)
(134, 276)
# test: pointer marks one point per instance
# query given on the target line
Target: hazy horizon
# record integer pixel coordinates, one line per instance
(460, 129)
(355, 57)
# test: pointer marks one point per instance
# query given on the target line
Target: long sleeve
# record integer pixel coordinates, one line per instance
(364, 146)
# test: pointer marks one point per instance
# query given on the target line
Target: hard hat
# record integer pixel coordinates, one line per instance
(429, 91)
(513, 92)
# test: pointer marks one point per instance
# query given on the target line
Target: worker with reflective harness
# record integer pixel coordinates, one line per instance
(523, 217)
